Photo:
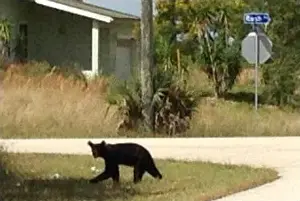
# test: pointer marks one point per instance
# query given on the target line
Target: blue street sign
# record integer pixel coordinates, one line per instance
(256, 18)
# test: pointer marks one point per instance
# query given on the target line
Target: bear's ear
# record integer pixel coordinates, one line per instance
(103, 143)
(90, 144)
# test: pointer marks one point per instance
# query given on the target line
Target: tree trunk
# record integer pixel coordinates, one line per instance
(216, 82)
(147, 54)
(217, 91)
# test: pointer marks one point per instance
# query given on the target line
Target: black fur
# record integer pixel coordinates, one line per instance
(129, 154)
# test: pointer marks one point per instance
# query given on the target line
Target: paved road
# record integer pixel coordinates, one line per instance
(282, 153)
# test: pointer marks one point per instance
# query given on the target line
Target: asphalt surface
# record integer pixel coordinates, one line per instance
(281, 153)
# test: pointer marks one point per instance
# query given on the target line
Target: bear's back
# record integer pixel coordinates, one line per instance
(126, 153)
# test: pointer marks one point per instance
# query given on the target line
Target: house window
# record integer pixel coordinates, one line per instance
(23, 41)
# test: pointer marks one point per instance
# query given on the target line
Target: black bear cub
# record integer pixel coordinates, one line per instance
(129, 154)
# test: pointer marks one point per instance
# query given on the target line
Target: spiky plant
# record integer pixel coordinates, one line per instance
(219, 57)
(173, 102)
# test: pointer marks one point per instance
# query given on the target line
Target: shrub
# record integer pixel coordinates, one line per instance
(220, 59)
(282, 80)
(173, 102)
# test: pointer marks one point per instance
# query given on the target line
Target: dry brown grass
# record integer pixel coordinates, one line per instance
(55, 107)
(232, 118)
(228, 118)
(246, 76)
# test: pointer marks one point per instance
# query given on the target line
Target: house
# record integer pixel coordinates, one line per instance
(97, 39)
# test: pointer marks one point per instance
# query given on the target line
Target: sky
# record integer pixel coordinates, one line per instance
(127, 6)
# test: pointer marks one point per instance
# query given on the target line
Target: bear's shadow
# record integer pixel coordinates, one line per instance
(72, 189)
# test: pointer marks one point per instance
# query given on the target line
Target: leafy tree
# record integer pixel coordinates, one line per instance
(281, 77)
(169, 27)
(218, 55)
(206, 27)
(282, 80)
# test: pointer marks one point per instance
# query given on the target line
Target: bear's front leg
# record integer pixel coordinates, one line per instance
(115, 173)
(138, 173)
(103, 176)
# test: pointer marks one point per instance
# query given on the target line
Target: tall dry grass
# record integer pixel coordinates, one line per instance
(52, 106)
(227, 118)
(55, 107)
(224, 118)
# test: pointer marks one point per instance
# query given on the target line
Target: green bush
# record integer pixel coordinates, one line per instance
(282, 80)
(173, 102)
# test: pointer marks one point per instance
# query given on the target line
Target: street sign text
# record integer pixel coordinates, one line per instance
(256, 18)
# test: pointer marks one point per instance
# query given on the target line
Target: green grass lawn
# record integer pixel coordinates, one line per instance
(32, 177)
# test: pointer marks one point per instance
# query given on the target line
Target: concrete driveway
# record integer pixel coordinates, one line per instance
(281, 153)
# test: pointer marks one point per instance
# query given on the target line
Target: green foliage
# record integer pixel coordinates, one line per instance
(219, 57)
(5, 36)
(167, 29)
(173, 102)
(5, 30)
(281, 76)
(196, 21)
(127, 96)
(282, 79)
(284, 28)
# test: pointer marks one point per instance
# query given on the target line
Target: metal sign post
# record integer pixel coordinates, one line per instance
(256, 65)
(256, 46)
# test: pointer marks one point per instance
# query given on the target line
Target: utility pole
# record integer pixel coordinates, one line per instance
(147, 53)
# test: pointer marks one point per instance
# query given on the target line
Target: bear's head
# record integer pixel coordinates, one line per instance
(98, 150)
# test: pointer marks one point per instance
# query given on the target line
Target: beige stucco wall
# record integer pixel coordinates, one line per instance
(59, 37)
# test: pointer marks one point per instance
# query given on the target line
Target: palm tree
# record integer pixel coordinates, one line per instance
(219, 56)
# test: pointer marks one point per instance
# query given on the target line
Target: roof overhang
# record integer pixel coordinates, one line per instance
(74, 10)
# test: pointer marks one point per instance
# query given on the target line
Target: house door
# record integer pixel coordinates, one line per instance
(123, 62)
(23, 42)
